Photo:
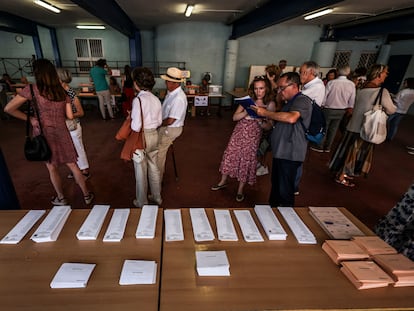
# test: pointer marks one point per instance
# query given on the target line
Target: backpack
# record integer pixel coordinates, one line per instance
(317, 127)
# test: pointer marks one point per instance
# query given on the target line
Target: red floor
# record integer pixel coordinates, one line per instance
(198, 153)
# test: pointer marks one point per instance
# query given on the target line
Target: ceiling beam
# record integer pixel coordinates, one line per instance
(13, 23)
(110, 13)
(275, 12)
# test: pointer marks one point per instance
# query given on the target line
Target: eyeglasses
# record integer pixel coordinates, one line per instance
(282, 88)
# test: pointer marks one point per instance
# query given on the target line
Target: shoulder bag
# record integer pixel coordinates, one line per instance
(374, 124)
(35, 148)
(134, 146)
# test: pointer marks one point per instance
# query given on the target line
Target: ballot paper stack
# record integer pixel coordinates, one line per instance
(374, 245)
(52, 225)
(399, 267)
(93, 223)
(116, 228)
(340, 250)
(365, 274)
(72, 275)
(19, 231)
(270, 223)
(212, 263)
(138, 272)
(201, 226)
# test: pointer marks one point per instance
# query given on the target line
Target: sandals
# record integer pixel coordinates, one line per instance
(59, 201)
(345, 183)
(89, 198)
(240, 197)
(218, 187)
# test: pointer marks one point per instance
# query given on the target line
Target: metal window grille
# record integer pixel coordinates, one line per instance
(341, 58)
(367, 58)
(88, 51)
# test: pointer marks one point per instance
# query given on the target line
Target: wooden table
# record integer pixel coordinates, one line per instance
(26, 269)
(270, 275)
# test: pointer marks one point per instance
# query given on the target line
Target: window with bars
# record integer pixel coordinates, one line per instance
(341, 58)
(88, 52)
(367, 58)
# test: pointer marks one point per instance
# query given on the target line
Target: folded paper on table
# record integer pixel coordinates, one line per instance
(72, 275)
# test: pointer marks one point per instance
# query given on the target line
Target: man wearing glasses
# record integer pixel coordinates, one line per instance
(288, 141)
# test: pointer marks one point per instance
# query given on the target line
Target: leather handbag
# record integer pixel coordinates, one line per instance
(134, 141)
(35, 148)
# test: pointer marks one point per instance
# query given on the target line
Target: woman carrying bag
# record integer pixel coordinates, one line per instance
(54, 106)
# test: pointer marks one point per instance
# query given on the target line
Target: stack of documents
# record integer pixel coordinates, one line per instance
(365, 274)
(334, 222)
(22, 227)
(212, 263)
(116, 228)
(138, 272)
(301, 232)
(248, 227)
(52, 225)
(399, 267)
(374, 245)
(72, 275)
(340, 250)
(147, 222)
(270, 223)
(93, 223)
(225, 226)
(173, 225)
(201, 226)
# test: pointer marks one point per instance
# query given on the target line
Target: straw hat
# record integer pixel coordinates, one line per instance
(173, 74)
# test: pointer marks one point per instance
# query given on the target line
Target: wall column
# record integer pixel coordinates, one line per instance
(230, 64)
(323, 53)
(384, 54)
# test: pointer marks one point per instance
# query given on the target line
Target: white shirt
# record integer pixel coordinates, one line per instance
(404, 99)
(315, 89)
(340, 94)
(175, 107)
(151, 110)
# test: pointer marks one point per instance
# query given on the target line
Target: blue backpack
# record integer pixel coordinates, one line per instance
(317, 127)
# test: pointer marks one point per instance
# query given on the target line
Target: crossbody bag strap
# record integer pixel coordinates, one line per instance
(378, 98)
(36, 111)
(142, 123)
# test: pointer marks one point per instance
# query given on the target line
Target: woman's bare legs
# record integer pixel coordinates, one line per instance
(79, 178)
(55, 179)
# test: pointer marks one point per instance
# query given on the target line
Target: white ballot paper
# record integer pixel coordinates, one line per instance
(116, 228)
(301, 232)
(22, 227)
(173, 225)
(93, 223)
(248, 227)
(147, 222)
(212, 263)
(225, 226)
(270, 223)
(201, 226)
(72, 275)
(138, 272)
(52, 225)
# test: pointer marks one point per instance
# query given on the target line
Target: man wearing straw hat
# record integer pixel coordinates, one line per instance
(174, 110)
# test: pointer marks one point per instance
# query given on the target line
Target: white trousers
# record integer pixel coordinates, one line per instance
(80, 148)
(104, 98)
(147, 172)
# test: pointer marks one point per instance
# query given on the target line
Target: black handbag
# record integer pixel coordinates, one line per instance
(35, 148)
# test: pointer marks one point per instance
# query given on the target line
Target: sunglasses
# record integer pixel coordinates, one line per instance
(262, 77)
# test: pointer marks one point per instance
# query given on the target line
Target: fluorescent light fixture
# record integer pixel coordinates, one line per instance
(189, 9)
(317, 14)
(90, 27)
(47, 6)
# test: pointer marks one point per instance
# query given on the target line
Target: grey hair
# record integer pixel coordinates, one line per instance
(313, 66)
(64, 75)
(344, 70)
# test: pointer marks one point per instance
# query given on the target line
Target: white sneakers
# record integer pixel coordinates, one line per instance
(262, 170)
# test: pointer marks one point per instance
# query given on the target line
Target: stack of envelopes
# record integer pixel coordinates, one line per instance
(400, 267)
(340, 250)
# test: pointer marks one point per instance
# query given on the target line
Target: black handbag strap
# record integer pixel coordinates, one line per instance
(142, 122)
(379, 97)
(36, 111)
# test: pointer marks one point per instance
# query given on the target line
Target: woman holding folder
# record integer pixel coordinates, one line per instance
(239, 159)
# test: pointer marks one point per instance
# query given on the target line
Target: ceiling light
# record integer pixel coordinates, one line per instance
(90, 27)
(47, 6)
(317, 14)
(189, 9)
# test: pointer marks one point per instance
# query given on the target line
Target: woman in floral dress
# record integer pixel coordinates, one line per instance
(240, 157)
